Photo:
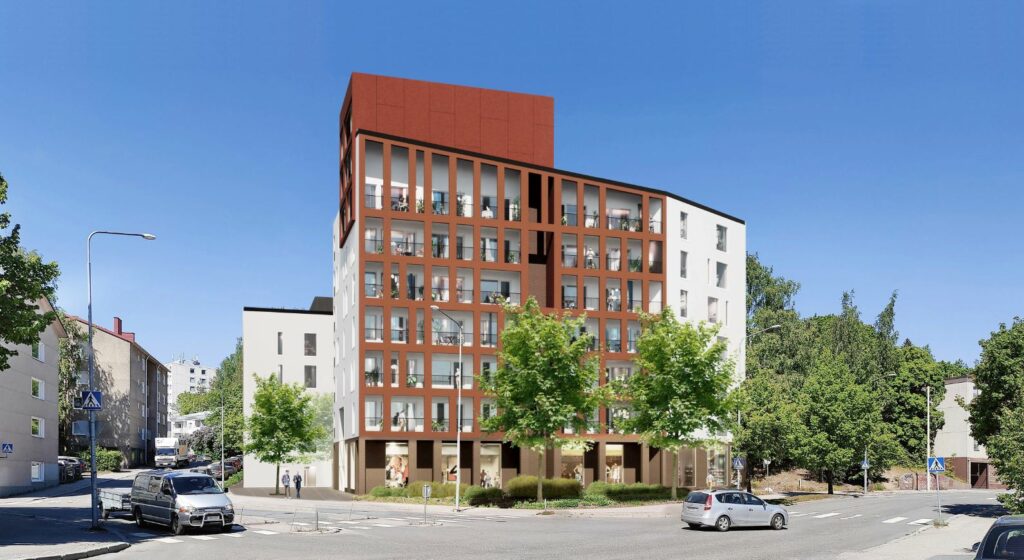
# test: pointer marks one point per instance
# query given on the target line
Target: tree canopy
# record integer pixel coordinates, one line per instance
(283, 422)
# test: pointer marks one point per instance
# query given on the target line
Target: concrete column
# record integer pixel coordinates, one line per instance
(360, 466)
(601, 461)
(476, 466)
(644, 475)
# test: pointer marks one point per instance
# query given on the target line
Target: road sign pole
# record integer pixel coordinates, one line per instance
(92, 387)
(865, 465)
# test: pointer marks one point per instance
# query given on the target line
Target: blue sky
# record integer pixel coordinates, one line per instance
(873, 146)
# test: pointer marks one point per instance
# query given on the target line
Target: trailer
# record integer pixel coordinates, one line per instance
(115, 501)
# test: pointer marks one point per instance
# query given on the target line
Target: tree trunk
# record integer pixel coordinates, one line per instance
(828, 477)
(675, 473)
(277, 480)
(540, 475)
(749, 472)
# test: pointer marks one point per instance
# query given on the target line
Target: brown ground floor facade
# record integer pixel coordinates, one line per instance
(978, 472)
(361, 464)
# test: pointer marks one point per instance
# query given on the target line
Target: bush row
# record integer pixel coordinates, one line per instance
(525, 488)
(106, 459)
(562, 492)
(415, 490)
(632, 492)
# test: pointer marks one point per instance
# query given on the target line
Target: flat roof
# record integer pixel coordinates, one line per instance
(285, 310)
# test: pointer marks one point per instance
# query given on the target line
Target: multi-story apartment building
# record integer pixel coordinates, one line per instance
(964, 455)
(448, 197)
(295, 346)
(182, 426)
(187, 376)
(134, 386)
(28, 413)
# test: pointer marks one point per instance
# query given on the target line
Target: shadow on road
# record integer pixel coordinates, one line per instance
(975, 510)
(48, 526)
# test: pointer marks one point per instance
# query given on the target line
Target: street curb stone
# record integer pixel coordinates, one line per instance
(116, 547)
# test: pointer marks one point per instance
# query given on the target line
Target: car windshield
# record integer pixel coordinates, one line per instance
(165, 451)
(195, 485)
(696, 497)
(1006, 542)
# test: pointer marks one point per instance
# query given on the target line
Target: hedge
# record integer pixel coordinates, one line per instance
(525, 488)
(106, 459)
(631, 492)
(385, 492)
(415, 490)
(478, 496)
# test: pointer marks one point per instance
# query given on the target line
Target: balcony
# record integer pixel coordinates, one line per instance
(569, 260)
(439, 249)
(463, 206)
(488, 339)
(512, 256)
(654, 226)
(374, 334)
(442, 425)
(590, 260)
(624, 223)
(568, 218)
(634, 306)
(447, 380)
(439, 207)
(464, 252)
(591, 303)
(635, 265)
(372, 290)
(512, 212)
(399, 335)
(591, 220)
(613, 264)
(613, 303)
(631, 344)
(400, 203)
(654, 266)
(374, 246)
(569, 302)
(373, 378)
(374, 201)
(416, 294)
(495, 297)
(447, 338)
(374, 423)
(406, 249)
(463, 295)
(407, 424)
(489, 254)
(439, 294)
(614, 344)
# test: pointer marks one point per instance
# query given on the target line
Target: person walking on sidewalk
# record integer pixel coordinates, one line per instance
(286, 481)
(297, 479)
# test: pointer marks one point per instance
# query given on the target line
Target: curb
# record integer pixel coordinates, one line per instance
(116, 547)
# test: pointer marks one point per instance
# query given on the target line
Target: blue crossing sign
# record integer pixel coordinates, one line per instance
(92, 400)
(737, 463)
(936, 464)
(6, 448)
(865, 465)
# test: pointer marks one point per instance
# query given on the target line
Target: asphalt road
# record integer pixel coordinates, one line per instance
(819, 529)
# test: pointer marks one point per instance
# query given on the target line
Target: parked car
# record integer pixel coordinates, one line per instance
(229, 469)
(181, 499)
(79, 465)
(1004, 539)
(724, 509)
(65, 471)
(236, 461)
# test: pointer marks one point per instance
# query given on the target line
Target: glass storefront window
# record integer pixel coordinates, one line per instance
(613, 463)
(449, 462)
(490, 465)
(716, 467)
(572, 464)
(396, 474)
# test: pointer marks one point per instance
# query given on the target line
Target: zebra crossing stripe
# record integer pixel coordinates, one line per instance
(851, 517)
(824, 515)
(233, 535)
(895, 520)
(169, 540)
(265, 532)
(349, 522)
(382, 525)
(920, 522)
(203, 537)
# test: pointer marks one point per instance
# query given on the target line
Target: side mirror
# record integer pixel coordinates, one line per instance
(165, 491)
(975, 546)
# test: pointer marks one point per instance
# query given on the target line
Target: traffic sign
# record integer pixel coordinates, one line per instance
(92, 400)
(737, 463)
(426, 491)
(936, 464)
(865, 465)
(6, 448)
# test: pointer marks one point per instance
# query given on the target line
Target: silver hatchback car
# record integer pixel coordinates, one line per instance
(723, 509)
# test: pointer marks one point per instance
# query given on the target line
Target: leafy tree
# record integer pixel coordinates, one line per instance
(24, 280)
(765, 290)
(841, 417)
(228, 382)
(952, 370)
(323, 412)
(1006, 448)
(999, 378)
(205, 441)
(283, 422)
(190, 403)
(771, 426)
(546, 380)
(681, 386)
(904, 399)
(70, 363)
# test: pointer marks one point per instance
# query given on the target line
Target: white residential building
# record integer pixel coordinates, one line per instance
(184, 425)
(295, 346)
(187, 376)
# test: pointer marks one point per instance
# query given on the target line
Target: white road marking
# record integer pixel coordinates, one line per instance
(349, 522)
(798, 514)
(363, 528)
(824, 515)
(142, 534)
(851, 517)
(301, 523)
(169, 540)
(394, 518)
(203, 537)
(265, 532)
(414, 518)
(895, 520)
(920, 522)
(382, 525)
(233, 535)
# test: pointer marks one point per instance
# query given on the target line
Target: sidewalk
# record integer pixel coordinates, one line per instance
(952, 541)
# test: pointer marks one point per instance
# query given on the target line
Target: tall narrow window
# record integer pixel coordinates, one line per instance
(682, 264)
(39, 351)
(682, 225)
(38, 389)
(280, 373)
(309, 344)
(683, 297)
(720, 275)
(38, 427)
(712, 310)
(280, 343)
(720, 232)
(310, 377)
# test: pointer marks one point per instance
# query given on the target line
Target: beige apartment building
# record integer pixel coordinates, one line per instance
(28, 413)
(134, 386)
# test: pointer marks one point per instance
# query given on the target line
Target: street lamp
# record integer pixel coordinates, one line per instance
(768, 329)
(92, 381)
(458, 408)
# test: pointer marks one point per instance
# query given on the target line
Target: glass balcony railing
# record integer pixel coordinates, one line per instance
(590, 260)
(613, 263)
(654, 266)
(591, 303)
(488, 339)
(399, 335)
(513, 213)
(447, 338)
(372, 290)
(591, 220)
(415, 294)
(439, 294)
(512, 256)
(654, 226)
(374, 201)
(463, 207)
(631, 344)
(439, 208)
(463, 295)
(374, 423)
(442, 425)
(374, 246)
(568, 261)
(374, 334)
(489, 254)
(400, 203)
(614, 344)
(406, 249)
(568, 218)
(464, 253)
(444, 380)
(613, 304)
(407, 424)
(439, 249)
(496, 297)
(624, 223)
(635, 265)
(374, 378)
(569, 302)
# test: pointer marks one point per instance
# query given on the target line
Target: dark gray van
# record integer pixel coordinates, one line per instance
(181, 499)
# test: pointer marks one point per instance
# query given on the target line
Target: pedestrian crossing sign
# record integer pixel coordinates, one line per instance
(92, 400)
(936, 464)
(7, 448)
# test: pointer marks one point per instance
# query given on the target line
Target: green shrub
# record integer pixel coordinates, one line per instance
(478, 496)
(234, 479)
(106, 459)
(385, 492)
(525, 488)
(631, 492)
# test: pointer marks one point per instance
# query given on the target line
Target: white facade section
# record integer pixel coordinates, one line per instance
(187, 376)
(715, 281)
(348, 370)
(183, 426)
(954, 439)
(276, 342)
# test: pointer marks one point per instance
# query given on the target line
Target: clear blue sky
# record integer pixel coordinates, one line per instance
(873, 146)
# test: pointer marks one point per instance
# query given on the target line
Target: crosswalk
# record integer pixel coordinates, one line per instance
(836, 514)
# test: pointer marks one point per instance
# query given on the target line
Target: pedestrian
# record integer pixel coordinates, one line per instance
(297, 479)
(286, 481)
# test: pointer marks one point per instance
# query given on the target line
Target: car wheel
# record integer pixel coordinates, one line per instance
(176, 526)
(723, 523)
(694, 525)
(138, 518)
(778, 522)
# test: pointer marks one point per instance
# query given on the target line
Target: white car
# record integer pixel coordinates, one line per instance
(724, 509)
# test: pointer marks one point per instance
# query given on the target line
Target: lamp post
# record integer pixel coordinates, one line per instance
(222, 435)
(92, 378)
(458, 408)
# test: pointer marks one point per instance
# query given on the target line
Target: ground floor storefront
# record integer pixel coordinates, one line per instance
(361, 464)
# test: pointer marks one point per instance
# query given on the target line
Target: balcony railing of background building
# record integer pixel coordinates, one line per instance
(399, 335)
(449, 338)
(590, 260)
(373, 290)
(631, 344)
(439, 250)
(496, 297)
(374, 334)
(415, 293)
(463, 206)
(512, 256)
(568, 261)
(447, 380)
(614, 344)
(655, 226)
(406, 249)
(568, 218)
(591, 303)
(654, 266)
(569, 302)
(374, 201)
(489, 254)
(440, 208)
(407, 424)
(613, 263)
(400, 203)
(439, 294)
(374, 246)
(488, 339)
(591, 220)
(374, 423)
(613, 304)
(624, 223)
(635, 264)
(374, 378)
(464, 253)
(463, 295)
(512, 212)
(441, 425)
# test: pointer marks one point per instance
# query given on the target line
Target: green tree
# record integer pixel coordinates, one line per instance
(766, 291)
(24, 280)
(771, 425)
(190, 403)
(283, 422)
(681, 386)
(323, 412)
(228, 383)
(841, 417)
(546, 380)
(70, 363)
(904, 399)
(1006, 448)
(999, 379)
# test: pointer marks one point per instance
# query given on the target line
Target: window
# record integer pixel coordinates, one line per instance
(38, 389)
(280, 343)
(683, 297)
(682, 264)
(721, 236)
(38, 427)
(39, 351)
(37, 471)
(309, 344)
(192, 370)
(310, 372)
(682, 225)
(712, 310)
(720, 274)
(280, 373)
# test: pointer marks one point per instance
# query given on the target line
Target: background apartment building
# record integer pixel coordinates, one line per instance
(134, 386)
(182, 426)
(448, 197)
(295, 346)
(187, 376)
(965, 457)
(28, 413)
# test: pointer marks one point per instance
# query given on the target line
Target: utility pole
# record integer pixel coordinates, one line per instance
(928, 441)
(222, 435)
